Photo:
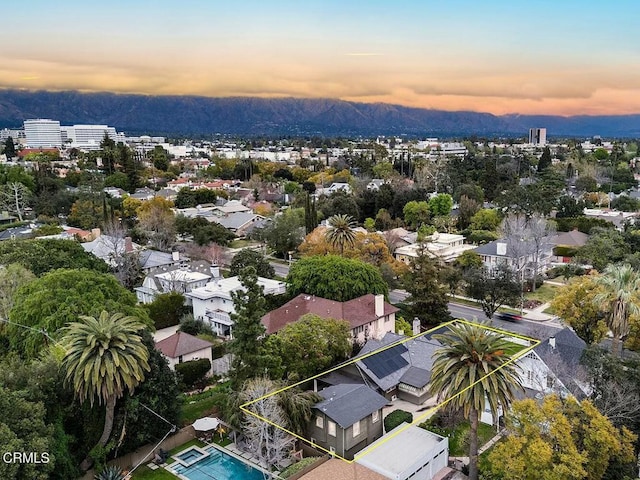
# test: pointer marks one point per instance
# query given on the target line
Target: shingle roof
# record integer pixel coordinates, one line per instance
(181, 343)
(357, 312)
(574, 238)
(347, 404)
(416, 377)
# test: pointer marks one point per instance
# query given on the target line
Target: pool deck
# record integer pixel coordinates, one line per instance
(231, 450)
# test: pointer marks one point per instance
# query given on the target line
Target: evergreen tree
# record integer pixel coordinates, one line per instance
(9, 148)
(545, 160)
(248, 331)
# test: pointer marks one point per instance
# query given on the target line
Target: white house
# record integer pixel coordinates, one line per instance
(518, 256)
(444, 246)
(213, 304)
(182, 347)
(173, 279)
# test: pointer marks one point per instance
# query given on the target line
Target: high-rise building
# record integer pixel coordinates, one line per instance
(42, 133)
(538, 136)
(88, 136)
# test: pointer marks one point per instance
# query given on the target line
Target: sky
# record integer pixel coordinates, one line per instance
(560, 57)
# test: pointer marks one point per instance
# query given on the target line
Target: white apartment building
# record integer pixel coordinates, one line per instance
(43, 132)
(87, 137)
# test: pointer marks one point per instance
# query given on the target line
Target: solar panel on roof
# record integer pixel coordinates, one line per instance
(387, 361)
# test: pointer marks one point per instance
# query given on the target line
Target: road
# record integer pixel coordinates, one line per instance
(536, 329)
(280, 269)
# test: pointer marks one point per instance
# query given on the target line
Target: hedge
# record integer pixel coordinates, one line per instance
(396, 418)
(193, 371)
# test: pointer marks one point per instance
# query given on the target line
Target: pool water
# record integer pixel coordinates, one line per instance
(190, 456)
(219, 466)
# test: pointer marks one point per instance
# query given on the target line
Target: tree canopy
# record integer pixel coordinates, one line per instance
(335, 278)
(59, 297)
(247, 257)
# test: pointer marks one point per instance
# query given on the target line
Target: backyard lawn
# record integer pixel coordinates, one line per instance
(459, 436)
(145, 473)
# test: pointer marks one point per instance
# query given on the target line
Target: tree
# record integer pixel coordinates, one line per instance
(9, 148)
(485, 219)
(545, 160)
(340, 232)
(441, 204)
(104, 357)
(271, 444)
(575, 304)
(86, 214)
(14, 197)
(310, 214)
(467, 208)
(23, 428)
(563, 439)
(312, 345)
(167, 309)
(12, 277)
(492, 289)
(416, 213)
(585, 183)
(472, 369)
(157, 221)
(335, 278)
(45, 305)
(43, 255)
(248, 330)
(620, 295)
(193, 372)
(604, 246)
(247, 257)
(428, 299)
(284, 233)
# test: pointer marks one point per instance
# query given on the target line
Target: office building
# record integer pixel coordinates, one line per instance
(42, 133)
(538, 136)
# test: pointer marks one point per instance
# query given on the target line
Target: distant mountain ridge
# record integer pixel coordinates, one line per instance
(184, 115)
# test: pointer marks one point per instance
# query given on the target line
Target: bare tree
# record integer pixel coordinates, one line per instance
(272, 445)
(14, 197)
(540, 232)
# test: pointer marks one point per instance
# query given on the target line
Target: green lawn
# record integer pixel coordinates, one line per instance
(200, 405)
(458, 436)
(145, 473)
(240, 243)
(545, 293)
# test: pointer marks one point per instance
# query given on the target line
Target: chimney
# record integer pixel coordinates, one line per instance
(501, 248)
(175, 256)
(95, 233)
(379, 305)
(552, 342)
(215, 271)
(128, 244)
(416, 325)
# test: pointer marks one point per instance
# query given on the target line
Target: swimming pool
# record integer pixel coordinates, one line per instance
(218, 465)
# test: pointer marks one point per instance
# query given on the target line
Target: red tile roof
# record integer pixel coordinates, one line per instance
(357, 312)
(181, 343)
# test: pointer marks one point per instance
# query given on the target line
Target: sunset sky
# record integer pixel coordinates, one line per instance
(500, 56)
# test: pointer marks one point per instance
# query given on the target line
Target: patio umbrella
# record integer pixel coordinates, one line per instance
(205, 424)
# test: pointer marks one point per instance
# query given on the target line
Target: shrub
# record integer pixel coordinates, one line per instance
(193, 371)
(565, 251)
(395, 418)
(299, 466)
(166, 309)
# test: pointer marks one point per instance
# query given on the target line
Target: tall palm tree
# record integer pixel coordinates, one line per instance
(104, 357)
(620, 296)
(471, 368)
(340, 232)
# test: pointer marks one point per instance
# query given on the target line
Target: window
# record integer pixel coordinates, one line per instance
(319, 422)
(530, 375)
(356, 428)
(180, 359)
(375, 416)
(331, 428)
(550, 381)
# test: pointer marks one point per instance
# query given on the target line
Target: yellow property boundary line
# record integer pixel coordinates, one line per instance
(396, 431)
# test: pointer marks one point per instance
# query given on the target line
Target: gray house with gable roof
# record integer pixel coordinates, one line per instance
(347, 419)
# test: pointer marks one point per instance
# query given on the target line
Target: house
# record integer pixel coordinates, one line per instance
(375, 184)
(566, 243)
(369, 315)
(151, 260)
(181, 279)
(239, 223)
(212, 302)
(443, 246)
(347, 419)
(340, 470)
(334, 187)
(6, 218)
(412, 452)
(182, 347)
(143, 194)
(232, 206)
(109, 248)
(518, 256)
(401, 368)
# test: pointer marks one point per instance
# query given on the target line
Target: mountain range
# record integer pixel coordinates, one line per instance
(193, 115)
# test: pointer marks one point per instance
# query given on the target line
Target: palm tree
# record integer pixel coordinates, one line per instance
(470, 369)
(340, 232)
(104, 357)
(620, 286)
(110, 473)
